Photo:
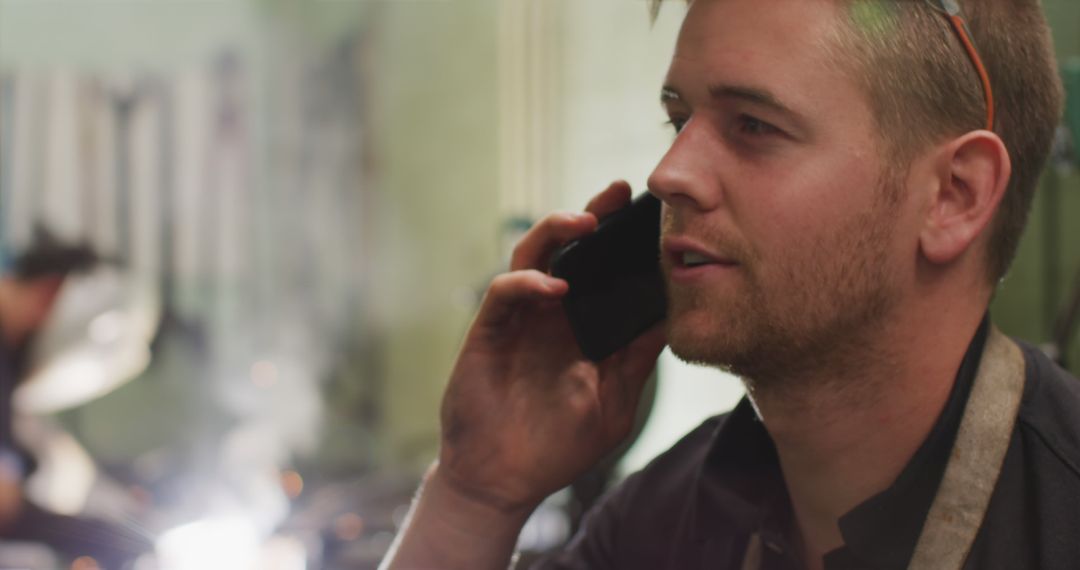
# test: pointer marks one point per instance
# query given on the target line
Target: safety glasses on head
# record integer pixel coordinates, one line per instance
(951, 10)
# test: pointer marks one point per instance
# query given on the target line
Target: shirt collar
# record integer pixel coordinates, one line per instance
(740, 475)
(883, 529)
(740, 487)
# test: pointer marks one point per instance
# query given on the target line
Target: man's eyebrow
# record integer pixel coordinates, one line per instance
(669, 94)
(749, 94)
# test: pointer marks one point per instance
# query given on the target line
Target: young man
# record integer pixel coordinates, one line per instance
(847, 186)
(28, 291)
(29, 288)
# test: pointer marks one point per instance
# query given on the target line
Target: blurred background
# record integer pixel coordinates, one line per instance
(298, 205)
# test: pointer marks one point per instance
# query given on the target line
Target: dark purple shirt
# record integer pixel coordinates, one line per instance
(695, 506)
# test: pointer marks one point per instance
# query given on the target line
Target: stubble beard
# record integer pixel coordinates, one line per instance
(811, 314)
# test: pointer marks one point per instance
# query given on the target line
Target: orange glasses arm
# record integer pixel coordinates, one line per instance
(961, 31)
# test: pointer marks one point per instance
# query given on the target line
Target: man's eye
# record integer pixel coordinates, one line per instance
(676, 123)
(755, 127)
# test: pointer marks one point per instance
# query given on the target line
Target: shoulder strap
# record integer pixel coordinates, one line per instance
(981, 442)
(985, 431)
(752, 557)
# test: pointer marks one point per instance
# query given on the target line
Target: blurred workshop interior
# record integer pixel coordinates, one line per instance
(297, 206)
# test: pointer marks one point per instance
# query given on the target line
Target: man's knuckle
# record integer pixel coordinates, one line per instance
(500, 283)
(519, 252)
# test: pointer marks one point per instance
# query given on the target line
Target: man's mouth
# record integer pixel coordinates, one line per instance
(695, 259)
(688, 253)
(690, 261)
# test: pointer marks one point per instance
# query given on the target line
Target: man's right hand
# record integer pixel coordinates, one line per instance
(524, 413)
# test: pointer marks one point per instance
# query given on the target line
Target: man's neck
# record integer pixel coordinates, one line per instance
(844, 435)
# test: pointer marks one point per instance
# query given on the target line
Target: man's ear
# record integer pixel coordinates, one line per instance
(972, 173)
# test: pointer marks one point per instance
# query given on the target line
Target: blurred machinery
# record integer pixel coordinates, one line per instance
(97, 338)
(1062, 308)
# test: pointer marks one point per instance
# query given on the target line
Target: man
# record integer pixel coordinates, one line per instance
(29, 288)
(848, 184)
(28, 291)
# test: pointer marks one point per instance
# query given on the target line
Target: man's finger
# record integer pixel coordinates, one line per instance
(509, 291)
(611, 200)
(643, 352)
(626, 372)
(535, 248)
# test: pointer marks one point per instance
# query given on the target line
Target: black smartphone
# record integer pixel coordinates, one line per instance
(616, 286)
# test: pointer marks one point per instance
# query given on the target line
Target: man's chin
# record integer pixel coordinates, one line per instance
(703, 346)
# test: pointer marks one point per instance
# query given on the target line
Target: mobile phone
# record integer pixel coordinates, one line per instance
(616, 286)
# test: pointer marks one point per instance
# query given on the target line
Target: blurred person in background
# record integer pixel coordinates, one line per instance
(847, 187)
(29, 288)
(28, 291)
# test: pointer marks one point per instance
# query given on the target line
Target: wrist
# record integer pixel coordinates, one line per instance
(472, 507)
(450, 530)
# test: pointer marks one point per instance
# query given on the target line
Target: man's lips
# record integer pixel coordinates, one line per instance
(687, 253)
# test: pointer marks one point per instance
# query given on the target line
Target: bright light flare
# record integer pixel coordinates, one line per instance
(212, 544)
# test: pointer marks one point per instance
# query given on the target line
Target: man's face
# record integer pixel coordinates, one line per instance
(774, 180)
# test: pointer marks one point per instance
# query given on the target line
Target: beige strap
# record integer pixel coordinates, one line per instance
(981, 442)
(752, 558)
(973, 469)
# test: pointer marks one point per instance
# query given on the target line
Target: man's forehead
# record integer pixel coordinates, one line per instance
(748, 38)
(778, 19)
(778, 54)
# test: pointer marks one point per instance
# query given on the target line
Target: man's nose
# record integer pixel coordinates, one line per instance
(686, 177)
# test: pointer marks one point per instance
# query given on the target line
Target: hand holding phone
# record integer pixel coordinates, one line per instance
(524, 414)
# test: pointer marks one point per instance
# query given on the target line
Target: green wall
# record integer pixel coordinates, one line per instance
(433, 112)
(1042, 278)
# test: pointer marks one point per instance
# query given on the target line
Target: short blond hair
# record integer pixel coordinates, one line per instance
(923, 88)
